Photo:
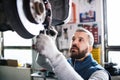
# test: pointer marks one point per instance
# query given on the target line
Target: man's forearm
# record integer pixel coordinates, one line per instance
(64, 70)
(61, 67)
(44, 62)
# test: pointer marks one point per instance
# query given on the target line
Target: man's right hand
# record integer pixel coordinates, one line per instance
(45, 45)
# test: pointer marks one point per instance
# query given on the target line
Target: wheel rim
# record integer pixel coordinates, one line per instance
(33, 24)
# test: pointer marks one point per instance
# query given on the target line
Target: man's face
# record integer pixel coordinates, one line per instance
(80, 45)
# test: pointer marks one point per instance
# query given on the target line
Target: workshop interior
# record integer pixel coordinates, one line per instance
(22, 20)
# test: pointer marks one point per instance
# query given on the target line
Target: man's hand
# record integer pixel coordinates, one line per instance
(53, 33)
(45, 44)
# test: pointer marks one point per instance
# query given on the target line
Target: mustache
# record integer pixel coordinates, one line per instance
(74, 46)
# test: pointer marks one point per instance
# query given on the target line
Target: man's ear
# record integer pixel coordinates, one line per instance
(90, 48)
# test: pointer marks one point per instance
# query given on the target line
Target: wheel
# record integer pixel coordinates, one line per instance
(24, 18)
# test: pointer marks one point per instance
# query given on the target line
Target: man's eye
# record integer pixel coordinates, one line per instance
(73, 39)
(80, 39)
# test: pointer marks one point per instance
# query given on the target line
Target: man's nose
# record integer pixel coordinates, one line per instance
(75, 41)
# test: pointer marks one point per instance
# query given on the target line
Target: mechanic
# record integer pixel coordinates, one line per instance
(80, 65)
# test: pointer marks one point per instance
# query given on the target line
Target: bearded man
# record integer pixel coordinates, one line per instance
(80, 65)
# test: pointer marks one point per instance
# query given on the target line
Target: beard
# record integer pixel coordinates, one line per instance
(77, 54)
